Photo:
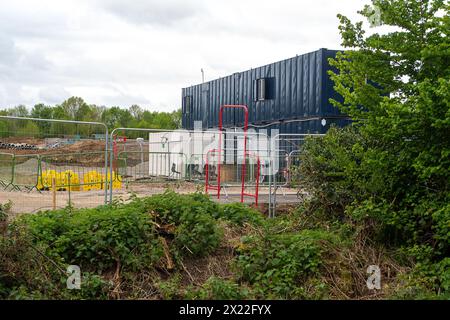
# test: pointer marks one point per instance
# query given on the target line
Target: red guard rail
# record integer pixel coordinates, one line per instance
(218, 151)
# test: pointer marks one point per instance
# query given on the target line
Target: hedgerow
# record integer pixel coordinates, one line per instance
(277, 264)
(349, 182)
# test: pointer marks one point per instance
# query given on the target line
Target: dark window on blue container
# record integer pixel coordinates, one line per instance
(263, 89)
(188, 104)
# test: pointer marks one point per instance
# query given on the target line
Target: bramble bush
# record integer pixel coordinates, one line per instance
(121, 237)
(97, 239)
(196, 231)
(239, 213)
(277, 264)
(218, 289)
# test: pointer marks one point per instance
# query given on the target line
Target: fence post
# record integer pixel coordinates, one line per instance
(70, 199)
(54, 192)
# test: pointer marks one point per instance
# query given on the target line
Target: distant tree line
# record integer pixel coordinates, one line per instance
(75, 108)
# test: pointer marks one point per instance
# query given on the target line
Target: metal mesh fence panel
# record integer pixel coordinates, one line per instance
(50, 164)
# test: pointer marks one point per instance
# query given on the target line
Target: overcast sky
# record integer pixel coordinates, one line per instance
(118, 52)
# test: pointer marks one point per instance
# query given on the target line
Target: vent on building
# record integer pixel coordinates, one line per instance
(263, 89)
(188, 104)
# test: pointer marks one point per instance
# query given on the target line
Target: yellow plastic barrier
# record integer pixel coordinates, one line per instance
(64, 180)
(94, 180)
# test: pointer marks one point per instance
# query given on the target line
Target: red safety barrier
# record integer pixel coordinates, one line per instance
(218, 151)
(258, 172)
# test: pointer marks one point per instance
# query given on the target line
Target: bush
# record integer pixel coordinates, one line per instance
(349, 177)
(171, 207)
(26, 273)
(196, 231)
(121, 238)
(330, 169)
(97, 239)
(4, 209)
(219, 289)
(239, 213)
(275, 264)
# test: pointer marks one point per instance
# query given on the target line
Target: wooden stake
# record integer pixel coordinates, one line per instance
(167, 253)
(54, 192)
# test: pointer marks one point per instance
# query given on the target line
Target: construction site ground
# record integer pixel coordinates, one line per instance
(34, 201)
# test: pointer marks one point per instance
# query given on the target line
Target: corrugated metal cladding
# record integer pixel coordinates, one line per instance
(300, 89)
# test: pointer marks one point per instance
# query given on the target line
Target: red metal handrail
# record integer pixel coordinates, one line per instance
(233, 106)
(258, 172)
(219, 150)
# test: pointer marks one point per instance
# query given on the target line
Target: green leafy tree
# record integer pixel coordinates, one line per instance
(116, 117)
(137, 112)
(75, 108)
(396, 86)
(42, 111)
(19, 111)
(388, 175)
(97, 112)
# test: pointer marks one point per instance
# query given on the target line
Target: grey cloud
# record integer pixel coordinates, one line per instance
(153, 12)
(8, 52)
(25, 22)
(53, 94)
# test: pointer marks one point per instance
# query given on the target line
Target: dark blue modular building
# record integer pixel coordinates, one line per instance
(290, 95)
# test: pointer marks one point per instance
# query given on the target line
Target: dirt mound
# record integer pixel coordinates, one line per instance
(84, 146)
(28, 140)
(83, 152)
(86, 152)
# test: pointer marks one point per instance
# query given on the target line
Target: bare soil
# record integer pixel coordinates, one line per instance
(34, 201)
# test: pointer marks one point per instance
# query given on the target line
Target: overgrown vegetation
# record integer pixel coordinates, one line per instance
(389, 172)
(174, 246)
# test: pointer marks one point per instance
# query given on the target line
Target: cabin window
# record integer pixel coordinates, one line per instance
(263, 89)
(188, 104)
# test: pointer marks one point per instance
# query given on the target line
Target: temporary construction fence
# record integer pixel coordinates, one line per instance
(49, 163)
(244, 165)
(288, 148)
(161, 156)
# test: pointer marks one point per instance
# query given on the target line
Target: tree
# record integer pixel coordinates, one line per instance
(97, 112)
(42, 111)
(176, 118)
(19, 111)
(137, 112)
(75, 108)
(396, 87)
